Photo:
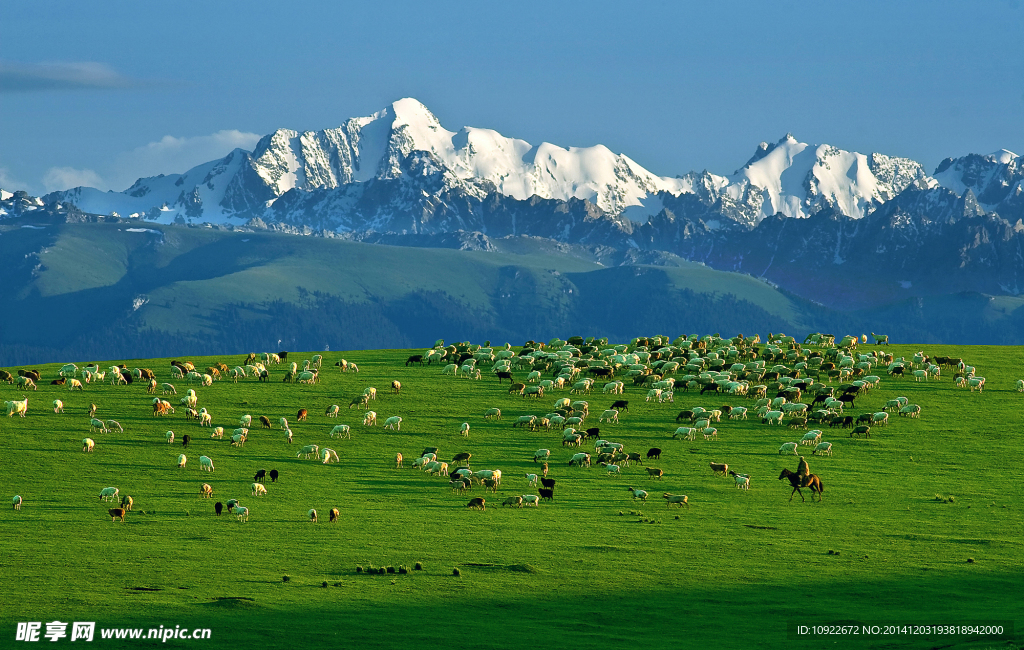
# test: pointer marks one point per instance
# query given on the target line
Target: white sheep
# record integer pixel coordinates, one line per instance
(679, 499)
(638, 494)
(312, 515)
(738, 413)
(218, 432)
(88, 444)
(612, 469)
(309, 450)
(58, 406)
(17, 407)
(531, 500)
(581, 459)
(206, 463)
(742, 480)
(492, 413)
(812, 437)
(169, 436)
(789, 448)
(182, 459)
(167, 389)
(541, 454)
(341, 431)
(332, 411)
(823, 448)
(328, 455)
(395, 424)
(245, 421)
(205, 419)
(242, 512)
(464, 429)
(114, 424)
(611, 415)
(109, 493)
(370, 419)
(258, 490)
(531, 479)
(16, 502)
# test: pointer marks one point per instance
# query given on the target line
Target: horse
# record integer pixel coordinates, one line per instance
(813, 482)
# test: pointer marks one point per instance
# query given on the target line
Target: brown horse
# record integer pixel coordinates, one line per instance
(813, 482)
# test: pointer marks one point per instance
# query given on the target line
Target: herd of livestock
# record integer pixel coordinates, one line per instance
(780, 382)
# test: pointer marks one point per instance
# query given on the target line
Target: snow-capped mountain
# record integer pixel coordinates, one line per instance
(405, 142)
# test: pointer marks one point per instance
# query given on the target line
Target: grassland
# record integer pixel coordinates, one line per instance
(587, 571)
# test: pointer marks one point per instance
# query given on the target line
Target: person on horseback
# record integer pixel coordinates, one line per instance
(804, 472)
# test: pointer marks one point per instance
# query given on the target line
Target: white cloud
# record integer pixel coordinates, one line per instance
(64, 178)
(10, 183)
(173, 155)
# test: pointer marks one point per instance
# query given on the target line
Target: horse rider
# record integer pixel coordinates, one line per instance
(804, 472)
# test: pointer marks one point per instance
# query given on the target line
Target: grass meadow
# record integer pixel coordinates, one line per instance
(921, 523)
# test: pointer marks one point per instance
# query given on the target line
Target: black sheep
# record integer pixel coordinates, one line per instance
(282, 355)
(218, 507)
(273, 476)
(621, 404)
(593, 432)
(654, 452)
(185, 439)
(416, 358)
(546, 494)
(260, 476)
(548, 482)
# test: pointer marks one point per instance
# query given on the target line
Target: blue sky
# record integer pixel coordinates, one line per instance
(99, 93)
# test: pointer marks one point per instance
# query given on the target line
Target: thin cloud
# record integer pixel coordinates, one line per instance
(174, 155)
(74, 75)
(65, 178)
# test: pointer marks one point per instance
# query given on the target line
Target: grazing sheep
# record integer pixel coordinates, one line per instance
(169, 436)
(548, 482)
(242, 513)
(341, 431)
(612, 469)
(464, 429)
(58, 406)
(654, 453)
(206, 492)
(283, 422)
(581, 459)
(265, 422)
(911, 410)
(312, 515)
(687, 433)
(638, 494)
(370, 419)
(88, 444)
(610, 415)
(109, 493)
(218, 507)
(541, 454)
(167, 389)
(823, 448)
(185, 439)
(206, 463)
(398, 460)
(546, 493)
(127, 502)
(258, 490)
(115, 514)
(492, 413)
(531, 479)
(720, 468)
(654, 472)
(864, 429)
(516, 502)
(679, 499)
(260, 476)
(72, 384)
(478, 503)
(811, 437)
(182, 459)
(333, 515)
(328, 455)
(332, 411)
(531, 500)
(16, 502)
(788, 447)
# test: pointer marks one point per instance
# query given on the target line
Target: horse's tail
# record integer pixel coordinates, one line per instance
(821, 485)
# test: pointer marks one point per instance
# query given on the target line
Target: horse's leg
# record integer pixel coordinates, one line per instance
(793, 493)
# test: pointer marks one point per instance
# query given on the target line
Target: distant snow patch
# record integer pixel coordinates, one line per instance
(649, 206)
(35, 227)
(143, 230)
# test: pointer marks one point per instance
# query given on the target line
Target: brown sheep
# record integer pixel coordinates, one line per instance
(396, 386)
(265, 421)
(301, 416)
(477, 502)
(116, 513)
(334, 514)
(722, 468)
(654, 472)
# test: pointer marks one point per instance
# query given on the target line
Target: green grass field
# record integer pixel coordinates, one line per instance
(737, 569)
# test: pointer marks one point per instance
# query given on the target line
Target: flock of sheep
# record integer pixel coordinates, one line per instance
(780, 381)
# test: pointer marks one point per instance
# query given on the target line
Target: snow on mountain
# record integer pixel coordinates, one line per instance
(401, 157)
(994, 179)
(798, 179)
